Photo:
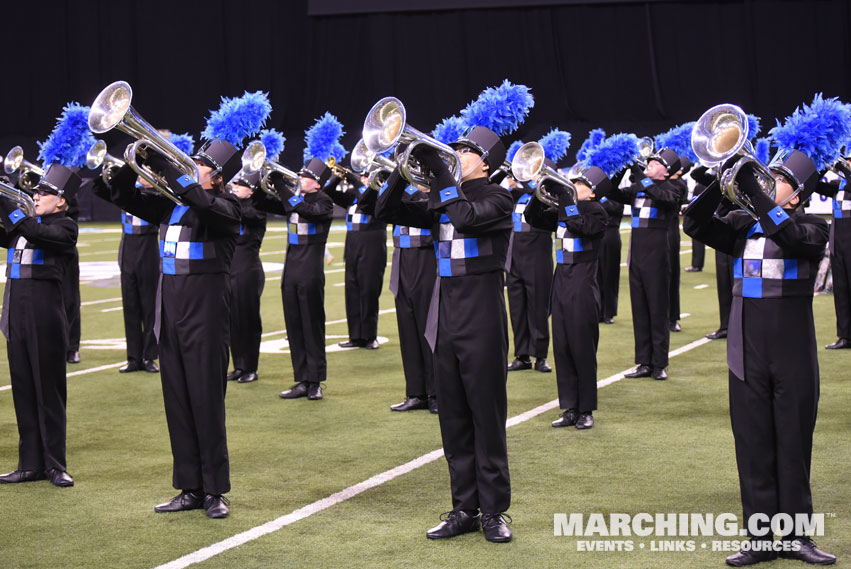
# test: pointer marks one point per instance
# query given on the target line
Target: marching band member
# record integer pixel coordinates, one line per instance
(771, 348)
(840, 252)
(467, 326)
(34, 320)
(197, 241)
(530, 270)
(309, 213)
(654, 200)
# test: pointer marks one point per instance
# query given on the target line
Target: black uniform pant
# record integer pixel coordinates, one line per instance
(246, 326)
(674, 283)
(649, 288)
(36, 350)
(366, 260)
(773, 412)
(724, 284)
(576, 333)
(609, 271)
(139, 262)
(529, 278)
(698, 254)
(470, 355)
(195, 321)
(304, 314)
(71, 296)
(840, 266)
(417, 269)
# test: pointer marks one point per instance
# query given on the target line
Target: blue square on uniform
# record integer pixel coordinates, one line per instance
(292, 238)
(445, 267)
(790, 268)
(737, 268)
(16, 271)
(752, 288)
(405, 241)
(560, 256)
(168, 266)
(646, 182)
(196, 250)
(444, 249)
(185, 181)
(38, 257)
(471, 247)
(635, 220)
(447, 194)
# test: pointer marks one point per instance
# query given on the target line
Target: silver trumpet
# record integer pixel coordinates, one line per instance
(112, 109)
(97, 156)
(270, 166)
(375, 166)
(721, 134)
(385, 127)
(253, 158)
(29, 173)
(23, 199)
(646, 147)
(529, 163)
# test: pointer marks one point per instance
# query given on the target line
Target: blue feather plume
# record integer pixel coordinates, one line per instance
(238, 118)
(70, 139)
(818, 130)
(678, 139)
(273, 141)
(754, 127)
(595, 137)
(322, 140)
(449, 130)
(762, 149)
(184, 142)
(500, 109)
(555, 143)
(512, 150)
(613, 153)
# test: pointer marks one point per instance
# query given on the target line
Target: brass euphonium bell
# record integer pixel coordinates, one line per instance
(28, 173)
(112, 109)
(528, 163)
(720, 135)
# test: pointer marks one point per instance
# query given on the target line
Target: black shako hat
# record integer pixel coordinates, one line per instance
(798, 169)
(596, 179)
(60, 180)
(487, 143)
(669, 159)
(220, 155)
(248, 180)
(316, 169)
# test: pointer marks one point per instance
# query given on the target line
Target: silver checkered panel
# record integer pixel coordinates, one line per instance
(843, 201)
(299, 227)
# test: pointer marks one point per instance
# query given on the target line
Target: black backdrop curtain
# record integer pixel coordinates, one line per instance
(639, 67)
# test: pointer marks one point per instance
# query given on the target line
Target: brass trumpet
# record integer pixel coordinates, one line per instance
(112, 109)
(529, 163)
(29, 173)
(98, 156)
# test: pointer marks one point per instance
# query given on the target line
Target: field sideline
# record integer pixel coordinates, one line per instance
(657, 447)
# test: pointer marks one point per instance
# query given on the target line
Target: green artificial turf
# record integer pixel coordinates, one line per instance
(656, 447)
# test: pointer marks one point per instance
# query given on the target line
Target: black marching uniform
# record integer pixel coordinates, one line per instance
(674, 252)
(71, 297)
(412, 278)
(303, 282)
(34, 322)
(840, 256)
(247, 280)
(529, 277)
(653, 203)
(771, 348)
(472, 225)
(698, 249)
(575, 299)
(138, 261)
(366, 260)
(609, 260)
(197, 242)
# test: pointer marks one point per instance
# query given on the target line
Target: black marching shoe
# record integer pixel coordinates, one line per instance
(608, 320)
(693, 269)
(432, 405)
(454, 523)
(216, 506)
(519, 364)
(745, 558)
(248, 377)
(659, 373)
(542, 365)
(840, 344)
(373, 345)
(235, 374)
(18, 476)
(719, 334)
(150, 366)
(72, 357)
(60, 478)
(567, 419)
(186, 500)
(808, 553)
(585, 421)
(674, 327)
(641, 370)
(129, 367)
(314, 391)
(496, 528)
(412, 403)
(298, 390)
(352, 344)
